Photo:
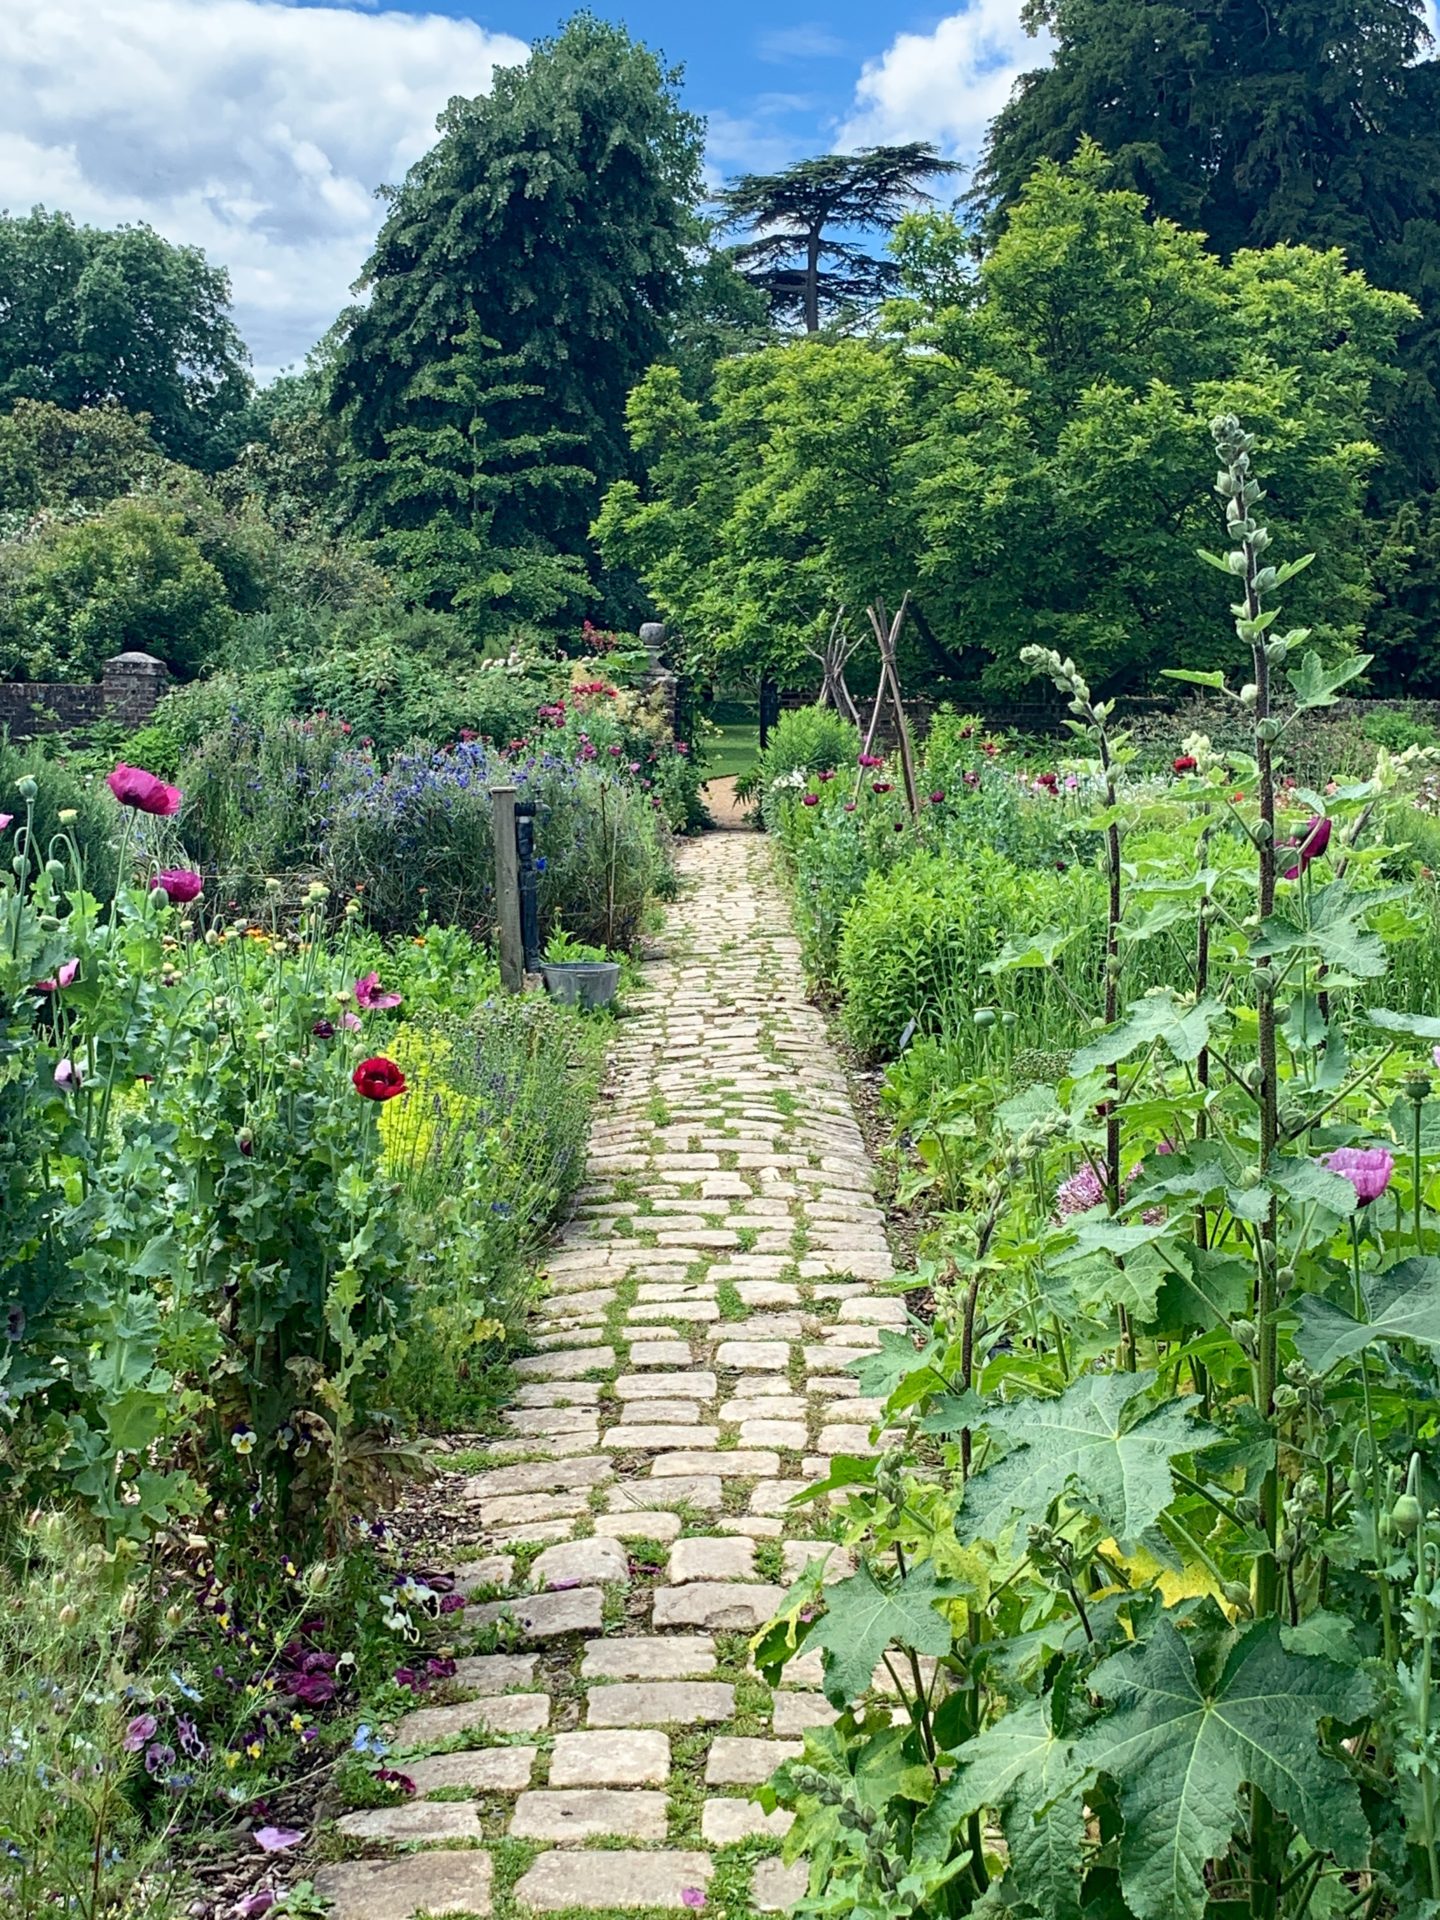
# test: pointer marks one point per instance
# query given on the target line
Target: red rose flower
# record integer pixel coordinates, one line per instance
(378, 1079)
(133, 787)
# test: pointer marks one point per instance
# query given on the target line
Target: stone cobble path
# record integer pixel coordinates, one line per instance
(689, 1380)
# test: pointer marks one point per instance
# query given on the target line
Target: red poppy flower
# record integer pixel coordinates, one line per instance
(378, 1079)
(133, 787)
(881, 786)
(1050, 781)
(1184, 763)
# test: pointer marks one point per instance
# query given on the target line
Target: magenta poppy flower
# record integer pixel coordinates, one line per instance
(133, 787)
(809, 799)
(827, 774)
(849, 806)
(63, 976)
(1368, 1169)
(881, 786)
(1313, 843)
(692, 1896)
(937, 798)
(254, 1905)
(872, 760)
(369, 996)
(180, 884)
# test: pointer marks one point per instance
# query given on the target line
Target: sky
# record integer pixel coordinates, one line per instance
(260, 129)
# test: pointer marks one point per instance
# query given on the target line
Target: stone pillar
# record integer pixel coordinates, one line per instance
(131, 686)
(653, 635)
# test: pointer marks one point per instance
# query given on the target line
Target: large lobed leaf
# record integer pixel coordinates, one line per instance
(1403, 1303)
(862, 1619)
(1182, 1745)
(1100, 1444)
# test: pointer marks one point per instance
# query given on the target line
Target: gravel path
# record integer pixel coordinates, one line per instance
(689, 1380)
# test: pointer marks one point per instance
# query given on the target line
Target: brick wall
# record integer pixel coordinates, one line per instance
(128, 693)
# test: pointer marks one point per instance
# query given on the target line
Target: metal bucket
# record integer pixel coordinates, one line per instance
(583, 983)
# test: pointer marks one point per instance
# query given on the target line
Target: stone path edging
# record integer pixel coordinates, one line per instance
(689, 1380)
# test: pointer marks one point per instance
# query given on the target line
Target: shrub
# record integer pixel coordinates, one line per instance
(918, 936)
(416, 842)
(73, 593)
(488, 1147)
(805, 740)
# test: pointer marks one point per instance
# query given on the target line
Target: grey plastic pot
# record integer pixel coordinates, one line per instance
(584, 983)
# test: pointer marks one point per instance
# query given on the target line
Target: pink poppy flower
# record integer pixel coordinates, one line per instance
(1313, 843)
(277, 1839)
(1368, 1169)
(180, 884)
(692, 1896)
(67, 1074)
(133, 787)
(369, 996)
(350, 1022)
(64, 976)
(5, 819)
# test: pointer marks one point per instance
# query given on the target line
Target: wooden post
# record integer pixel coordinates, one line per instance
(507, 891)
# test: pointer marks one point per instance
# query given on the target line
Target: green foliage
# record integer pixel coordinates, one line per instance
(75, 593)
(918, 932)
(1321, 131)
(468, 473)
(95, 318)
(88, 822)
(1033, 473)
(1192, 1727)
(803, 271)
(1159, 1448)
(70, 1671)
(556, 208)
(50, 458)
(488, 1152)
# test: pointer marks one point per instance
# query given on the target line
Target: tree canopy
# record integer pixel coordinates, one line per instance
(93, 318)
(555, 213)
(801, 257)
(1316, 122)
(1026, 446)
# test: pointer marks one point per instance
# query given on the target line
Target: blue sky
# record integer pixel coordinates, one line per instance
(260, 129)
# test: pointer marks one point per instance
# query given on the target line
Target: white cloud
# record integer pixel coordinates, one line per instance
(809, 41)
(946, 85)
(255, 130)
